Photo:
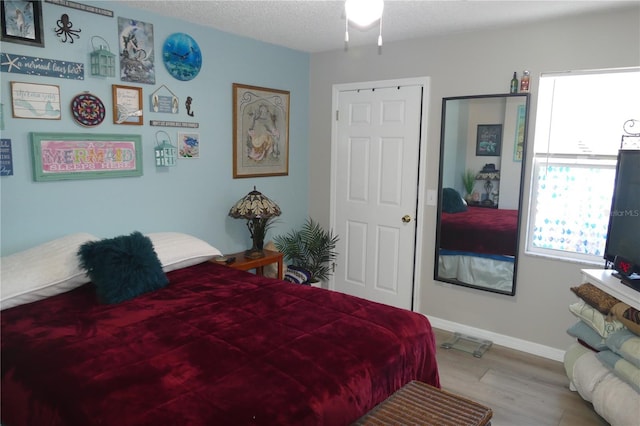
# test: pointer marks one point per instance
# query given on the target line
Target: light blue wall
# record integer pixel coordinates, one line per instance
(193, 197)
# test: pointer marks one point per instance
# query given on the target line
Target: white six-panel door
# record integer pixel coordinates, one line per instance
(376, 192)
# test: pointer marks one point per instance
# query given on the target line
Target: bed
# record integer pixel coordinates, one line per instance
(214, 345)
(478, 245)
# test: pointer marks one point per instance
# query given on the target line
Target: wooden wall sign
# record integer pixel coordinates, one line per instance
(31, 65)
(60, 156)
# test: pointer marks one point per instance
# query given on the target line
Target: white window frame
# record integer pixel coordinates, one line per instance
(540, 162)
(543, 159)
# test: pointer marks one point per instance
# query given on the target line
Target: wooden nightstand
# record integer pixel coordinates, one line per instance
(244, 263)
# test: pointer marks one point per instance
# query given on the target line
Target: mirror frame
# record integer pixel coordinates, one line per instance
(436, 277)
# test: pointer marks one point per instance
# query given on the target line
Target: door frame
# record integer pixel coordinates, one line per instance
(423, 82)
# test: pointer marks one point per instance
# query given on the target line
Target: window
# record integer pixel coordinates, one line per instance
(579, 128)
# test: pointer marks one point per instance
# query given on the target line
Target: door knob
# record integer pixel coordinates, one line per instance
(406, 218)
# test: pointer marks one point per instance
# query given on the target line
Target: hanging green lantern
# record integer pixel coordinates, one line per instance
(103, 62)
(166, 153)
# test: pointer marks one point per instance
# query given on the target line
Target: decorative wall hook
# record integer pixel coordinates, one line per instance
(632, 127)
(187, 105)
(632, 138)
(65, 28)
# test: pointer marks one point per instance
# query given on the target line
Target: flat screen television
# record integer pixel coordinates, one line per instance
(622, 250)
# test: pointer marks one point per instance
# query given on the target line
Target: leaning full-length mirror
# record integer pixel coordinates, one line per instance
(482, 146)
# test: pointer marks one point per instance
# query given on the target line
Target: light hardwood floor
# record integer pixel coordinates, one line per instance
(520, 388)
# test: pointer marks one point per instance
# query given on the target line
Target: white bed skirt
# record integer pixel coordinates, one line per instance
(480, 271)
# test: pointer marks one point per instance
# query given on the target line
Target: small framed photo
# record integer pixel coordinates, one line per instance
(127, 105)
(22, 22)
(32, 100)
(489, 140)
(188, 145)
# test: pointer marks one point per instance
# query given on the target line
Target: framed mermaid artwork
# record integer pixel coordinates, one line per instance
(188, 145)
(260, 131)
(22, 22)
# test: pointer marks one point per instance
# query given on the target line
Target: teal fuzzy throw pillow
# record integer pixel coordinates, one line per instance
(452, 201)
(123, 267)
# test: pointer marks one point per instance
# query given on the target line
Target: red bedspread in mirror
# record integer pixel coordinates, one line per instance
(480, 230)
(216, 346)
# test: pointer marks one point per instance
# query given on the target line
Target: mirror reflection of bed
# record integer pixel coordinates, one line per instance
(480, 190)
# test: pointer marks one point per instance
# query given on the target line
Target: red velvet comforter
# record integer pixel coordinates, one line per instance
(480, 230)
(215, 347)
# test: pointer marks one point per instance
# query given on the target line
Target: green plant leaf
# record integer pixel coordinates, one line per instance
(310, 247)
(469, 180)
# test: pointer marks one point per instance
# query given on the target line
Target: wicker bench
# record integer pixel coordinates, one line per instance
(418, 403)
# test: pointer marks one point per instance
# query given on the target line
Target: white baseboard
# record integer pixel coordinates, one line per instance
(499, 339)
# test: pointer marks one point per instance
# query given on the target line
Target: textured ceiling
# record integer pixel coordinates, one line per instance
(318, 25)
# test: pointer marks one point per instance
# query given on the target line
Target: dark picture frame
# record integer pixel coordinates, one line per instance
(21, 22)
(489, 140)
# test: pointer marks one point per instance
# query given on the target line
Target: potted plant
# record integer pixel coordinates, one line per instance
(469, 181)
(311, 248)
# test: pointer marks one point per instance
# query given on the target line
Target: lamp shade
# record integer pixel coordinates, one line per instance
(254, 205)
(363, 12)
(258, 210)
(495, 175)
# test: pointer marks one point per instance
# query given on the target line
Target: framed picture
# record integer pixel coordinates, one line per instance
(136, 51)
(31, 100)
(127, 105)
(6, 158)
(188, 145)
(260, 131)
(489, 140)
(63, 156)
(518, 148)
(22, 22)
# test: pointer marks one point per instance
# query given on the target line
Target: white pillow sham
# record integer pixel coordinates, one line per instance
(43, 271)
(177, 250)
(594, 319)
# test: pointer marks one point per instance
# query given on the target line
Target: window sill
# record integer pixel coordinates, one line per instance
(582, 262)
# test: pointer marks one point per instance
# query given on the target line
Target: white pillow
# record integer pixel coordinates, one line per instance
(43, 271)
(594, 319)
(176, 250)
